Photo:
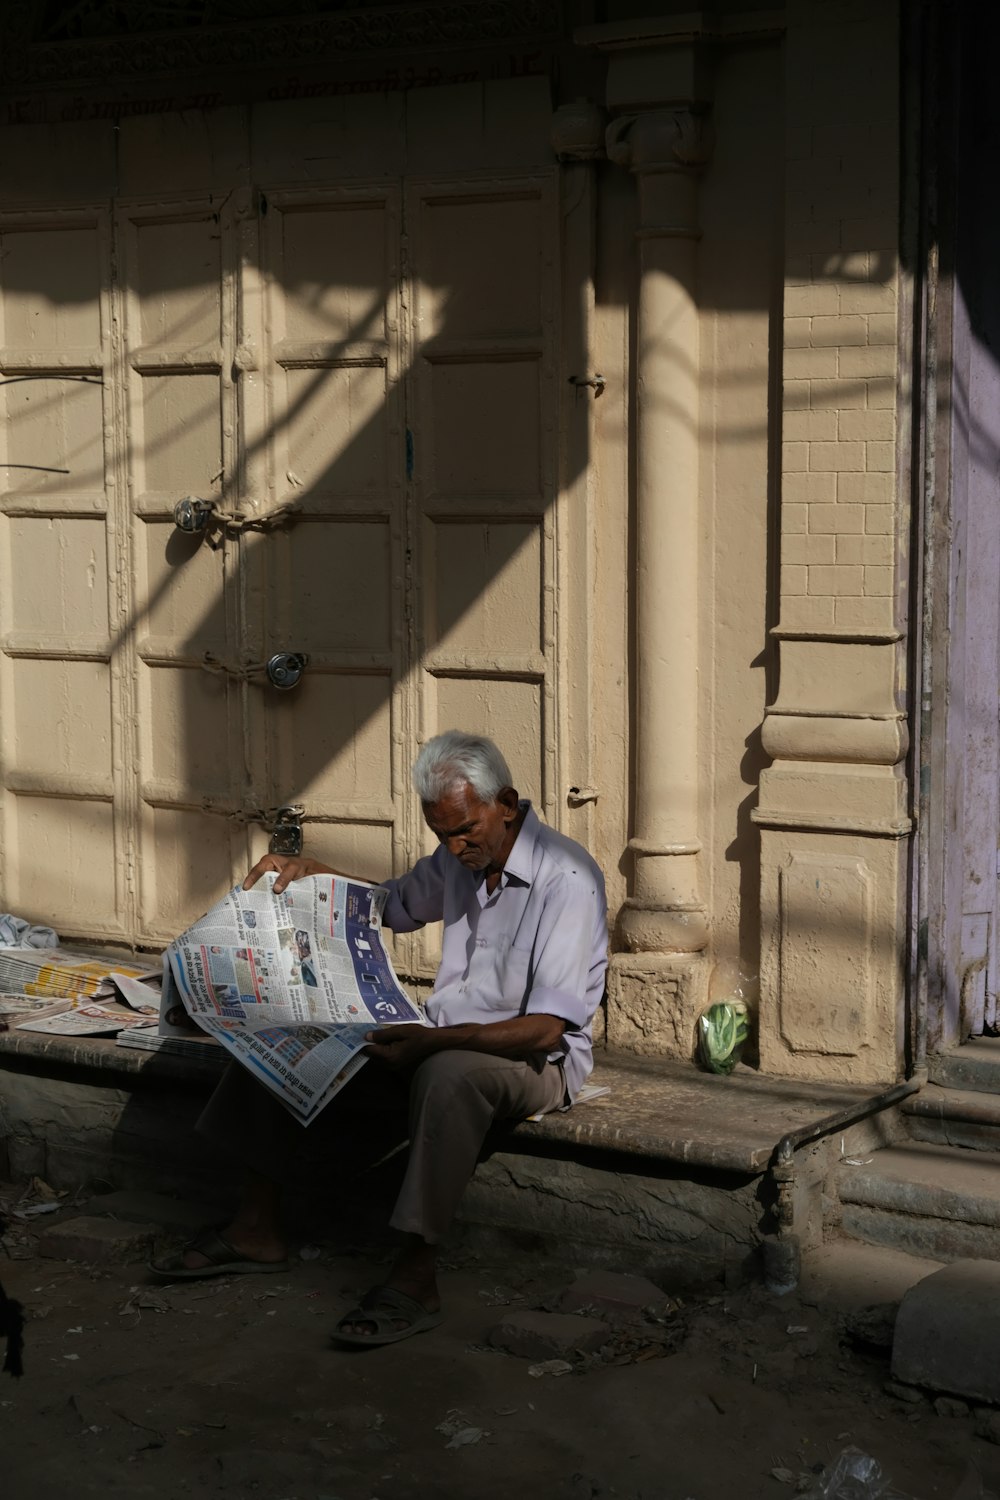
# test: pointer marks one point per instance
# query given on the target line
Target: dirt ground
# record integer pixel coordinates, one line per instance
(231, 1387)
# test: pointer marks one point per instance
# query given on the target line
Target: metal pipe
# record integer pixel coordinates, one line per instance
(851, 1114)
(781, 1252)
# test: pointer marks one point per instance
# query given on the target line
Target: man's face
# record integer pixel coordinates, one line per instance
(478, 834)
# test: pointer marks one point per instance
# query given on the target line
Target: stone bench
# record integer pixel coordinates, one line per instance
(665, 1173)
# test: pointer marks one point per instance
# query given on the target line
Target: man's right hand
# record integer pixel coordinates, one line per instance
(287, 867)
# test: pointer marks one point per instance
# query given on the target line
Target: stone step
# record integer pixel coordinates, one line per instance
(847, 1275)
(974, 1066)
(939, 1202)
(954, 1117)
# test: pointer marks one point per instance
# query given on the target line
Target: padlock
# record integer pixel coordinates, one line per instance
(286, 831)
(191, 514)
(285, 668)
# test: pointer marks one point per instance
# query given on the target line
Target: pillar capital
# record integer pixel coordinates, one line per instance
(674, 139)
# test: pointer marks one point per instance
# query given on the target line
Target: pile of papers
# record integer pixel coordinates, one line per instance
(60, 974)
(61, 993)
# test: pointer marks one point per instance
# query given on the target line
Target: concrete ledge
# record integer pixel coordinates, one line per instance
(666, 1173)
(657, 1109)
(101, 1054)
(671, 1111)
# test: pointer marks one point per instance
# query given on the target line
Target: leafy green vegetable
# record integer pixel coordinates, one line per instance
(722, 1031)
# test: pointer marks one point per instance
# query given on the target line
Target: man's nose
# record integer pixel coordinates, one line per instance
(457, 844)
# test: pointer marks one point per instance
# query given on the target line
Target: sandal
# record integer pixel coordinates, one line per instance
(383, 1307)
(223, 1260)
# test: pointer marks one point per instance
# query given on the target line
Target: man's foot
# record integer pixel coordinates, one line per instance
(232, 1252)
(385, 1316)
(248, 1244)
(413, 1280)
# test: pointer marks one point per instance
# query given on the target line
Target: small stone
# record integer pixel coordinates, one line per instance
(141, 1207)
(950, 1406)
(552, 1367)
(987, 1424)
(613, 1294)
(873, 1325)
(902, 1392)
(542, 1335)
(96, 1240)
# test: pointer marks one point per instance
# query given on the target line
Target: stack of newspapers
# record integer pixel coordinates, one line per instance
(60, 974)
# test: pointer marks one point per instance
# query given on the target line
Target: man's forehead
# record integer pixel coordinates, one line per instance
(459, 804)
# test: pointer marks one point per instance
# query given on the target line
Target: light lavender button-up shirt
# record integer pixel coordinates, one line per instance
(538, 945)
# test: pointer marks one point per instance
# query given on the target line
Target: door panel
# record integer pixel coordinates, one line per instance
(179, 418)
(485, 419)
(333, 354)
(60, 747)
(486, 414)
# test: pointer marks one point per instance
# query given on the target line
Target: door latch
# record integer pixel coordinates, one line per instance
(285, 668)
(286, 830)
(596, 382)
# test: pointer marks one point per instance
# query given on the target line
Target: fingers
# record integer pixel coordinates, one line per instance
(269, 862)
(389, 1057)
(287, 867)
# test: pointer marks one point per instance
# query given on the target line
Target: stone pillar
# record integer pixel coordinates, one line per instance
(659, 94)
(664, 148)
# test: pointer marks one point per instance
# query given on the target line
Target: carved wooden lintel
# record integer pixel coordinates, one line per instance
(30, 60)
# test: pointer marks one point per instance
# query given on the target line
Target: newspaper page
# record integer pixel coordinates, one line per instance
(291, 983)
(88, 1020)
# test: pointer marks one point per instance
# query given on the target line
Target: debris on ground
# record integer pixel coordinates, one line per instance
(460, 1432)
(550, 1367)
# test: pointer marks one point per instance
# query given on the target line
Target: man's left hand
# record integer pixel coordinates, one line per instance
(401, 1047)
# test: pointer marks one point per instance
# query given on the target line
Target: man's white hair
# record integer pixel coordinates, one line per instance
(452, 758)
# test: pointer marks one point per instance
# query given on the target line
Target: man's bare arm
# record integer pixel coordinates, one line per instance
(521, 1039)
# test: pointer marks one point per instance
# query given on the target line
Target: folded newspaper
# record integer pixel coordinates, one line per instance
(290, 984)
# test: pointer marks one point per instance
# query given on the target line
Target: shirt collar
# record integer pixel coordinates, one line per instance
(520, 860)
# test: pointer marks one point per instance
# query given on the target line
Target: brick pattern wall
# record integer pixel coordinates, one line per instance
(840, 352)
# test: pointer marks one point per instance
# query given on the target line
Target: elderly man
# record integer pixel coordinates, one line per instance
(521, 975)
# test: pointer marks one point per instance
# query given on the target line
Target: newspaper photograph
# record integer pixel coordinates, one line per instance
(290, 984)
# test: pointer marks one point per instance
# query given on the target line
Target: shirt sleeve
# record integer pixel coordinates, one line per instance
(571, 951)
(416, 897)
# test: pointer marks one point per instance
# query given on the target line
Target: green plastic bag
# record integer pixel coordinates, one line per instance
(722, 1032)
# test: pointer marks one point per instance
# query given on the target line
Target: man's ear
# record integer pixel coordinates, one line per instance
(507, 795)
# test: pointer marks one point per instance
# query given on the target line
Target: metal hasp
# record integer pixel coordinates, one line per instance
(286, 831)
(596, 382)
(192, 514)
(285, 668)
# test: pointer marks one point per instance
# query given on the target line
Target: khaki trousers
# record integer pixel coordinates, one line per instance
(452, 1099)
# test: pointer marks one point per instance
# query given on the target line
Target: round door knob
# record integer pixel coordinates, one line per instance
(285, 668)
